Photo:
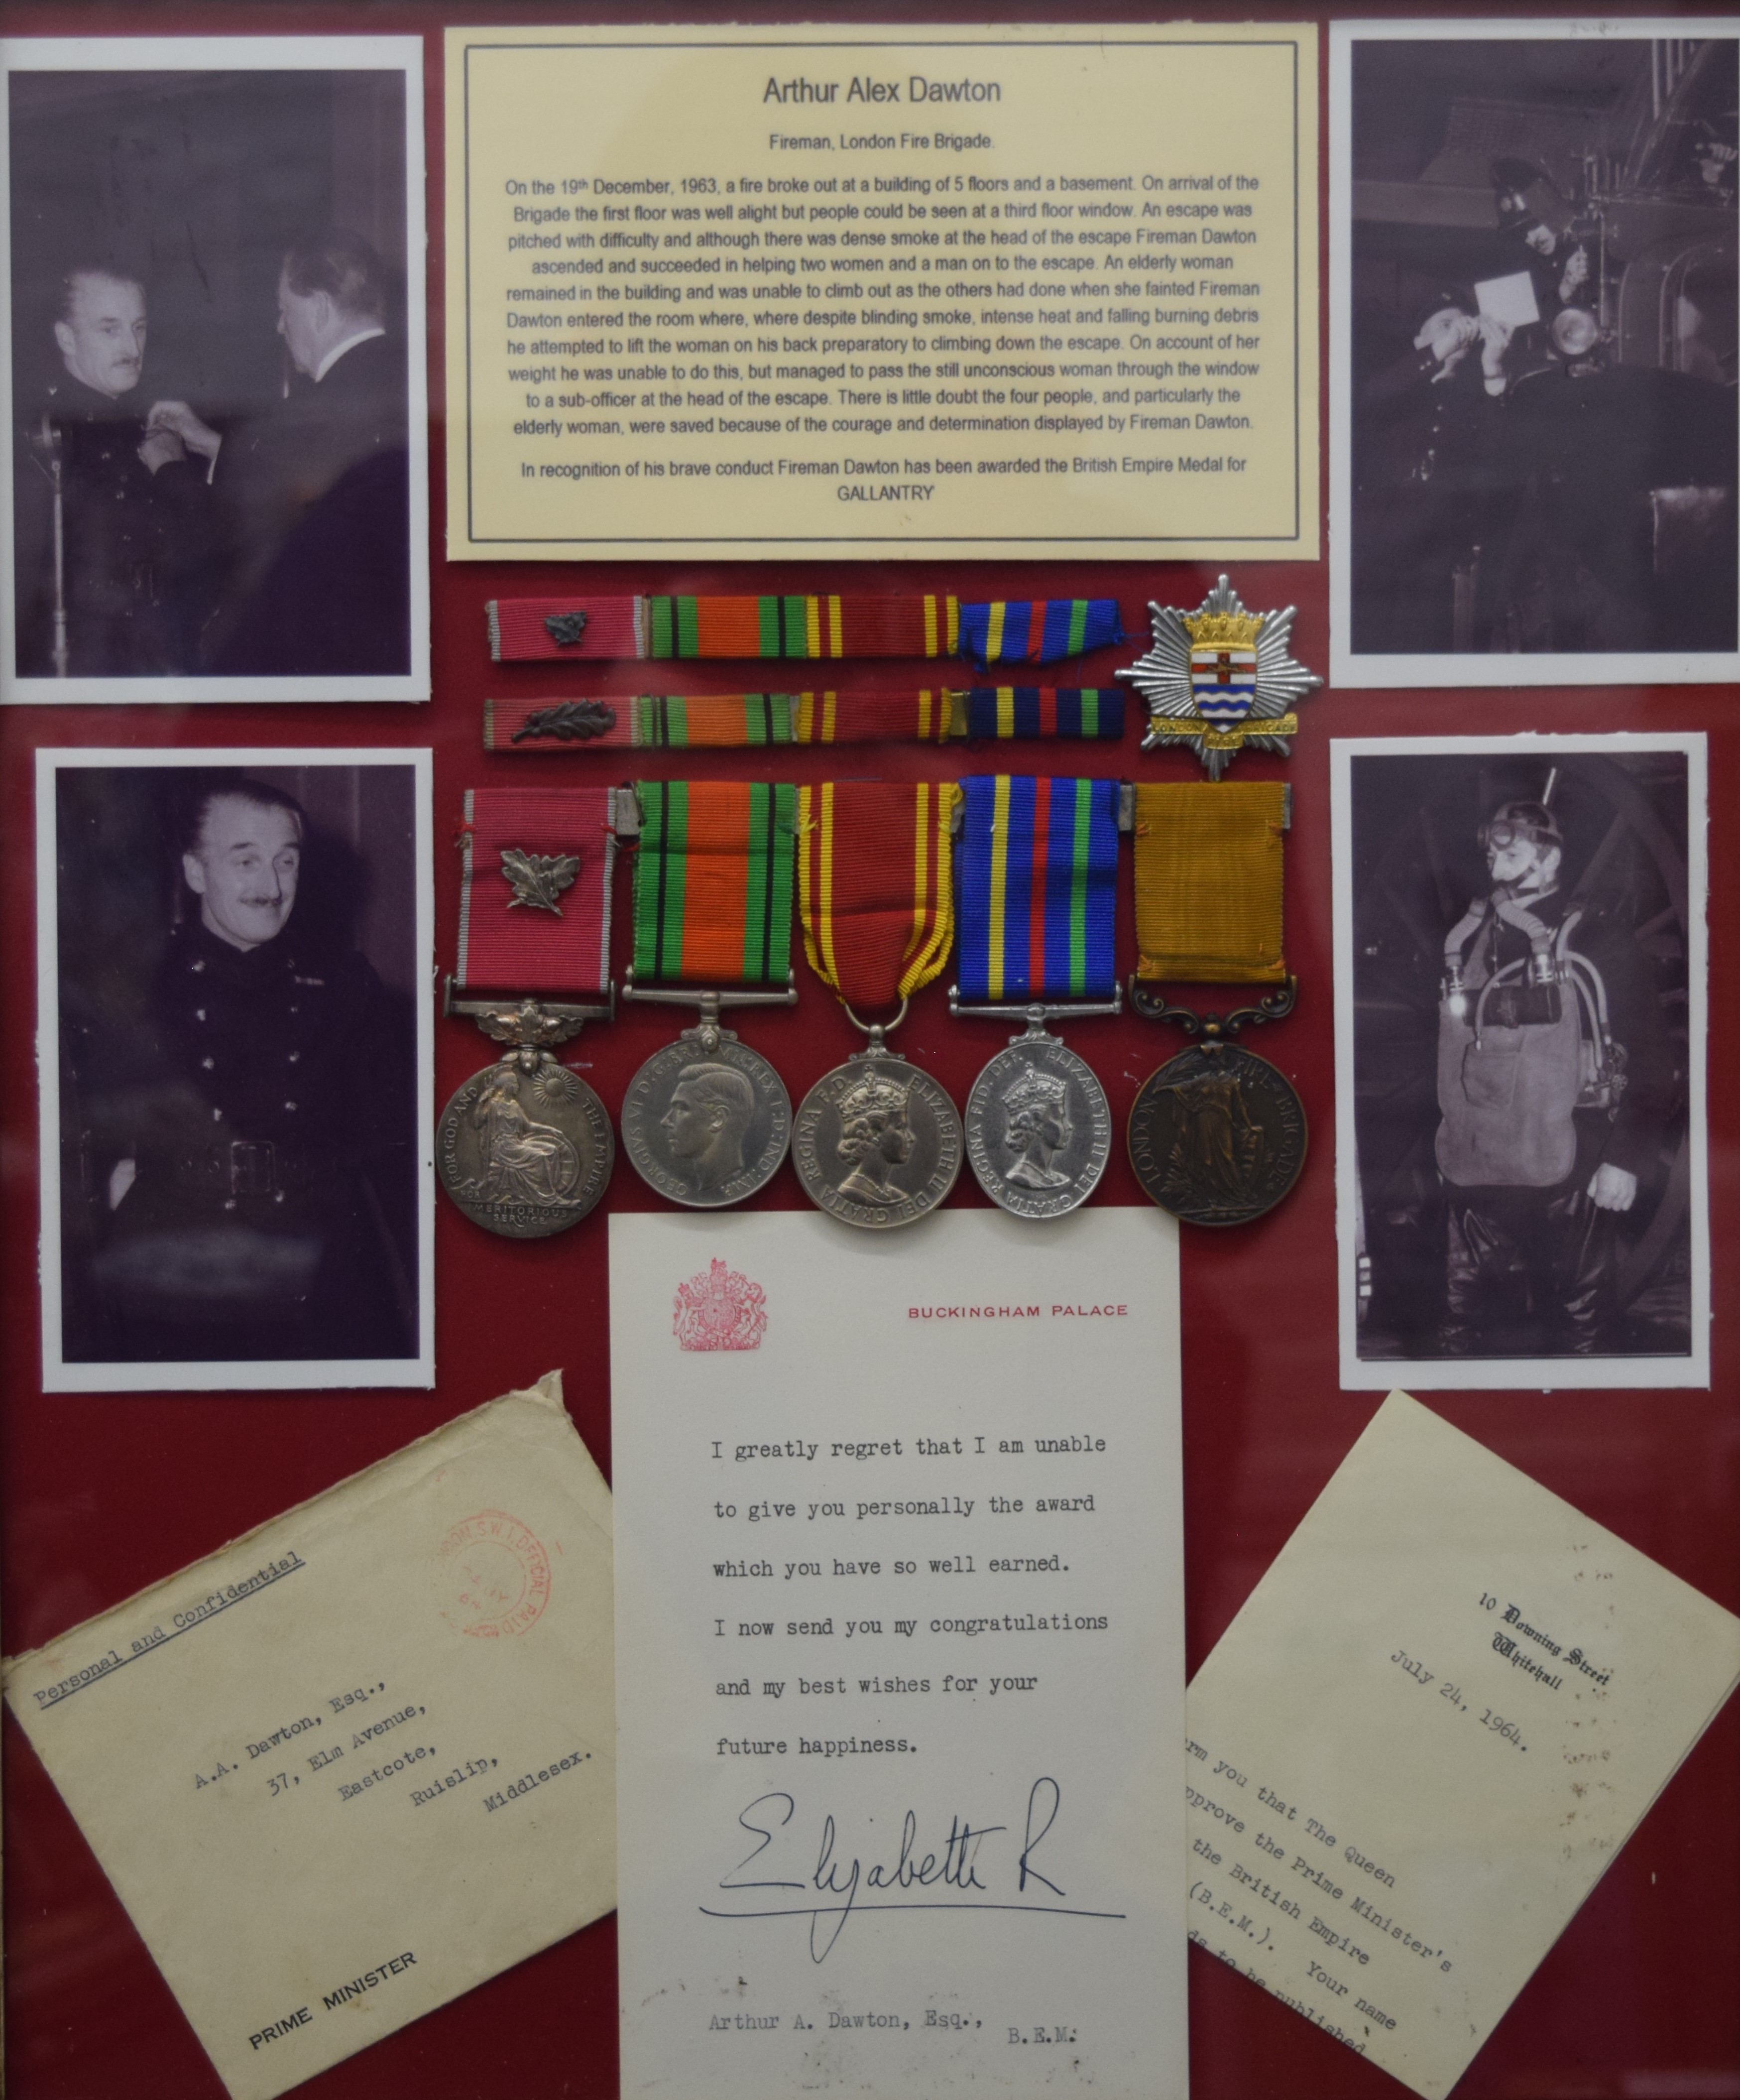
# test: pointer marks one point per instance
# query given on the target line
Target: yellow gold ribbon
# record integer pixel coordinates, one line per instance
(1208, 863)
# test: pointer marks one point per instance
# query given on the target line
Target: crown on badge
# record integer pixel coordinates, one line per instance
(1036, 1089)
(1223, 630)
(875, 1095)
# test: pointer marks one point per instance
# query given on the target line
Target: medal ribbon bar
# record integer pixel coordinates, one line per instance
(713, 882)
(535, 895)
(874, 884)
(1038, 872)
(803, 629)
(721, 721)
(1207, 861)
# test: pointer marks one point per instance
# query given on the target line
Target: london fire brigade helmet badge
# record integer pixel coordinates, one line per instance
(1220, 678)
(721, 1310)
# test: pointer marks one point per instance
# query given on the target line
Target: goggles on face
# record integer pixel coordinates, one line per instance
(1520, 824)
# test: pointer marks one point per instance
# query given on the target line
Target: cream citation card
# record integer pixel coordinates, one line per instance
(1419, 1745)
(873, 291)
(363, 1759)
(899, 1623)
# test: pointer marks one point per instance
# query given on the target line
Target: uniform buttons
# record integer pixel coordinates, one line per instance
(295, 1009)
(209, 1064)
(199, 1013)
(197, 965)
(217, 1115)
(293, 1058)
(291, 1105)
(277, 1195)
(229, 1203)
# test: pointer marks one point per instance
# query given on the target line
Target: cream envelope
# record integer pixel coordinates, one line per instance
(1424, 1738)
(363, 1759)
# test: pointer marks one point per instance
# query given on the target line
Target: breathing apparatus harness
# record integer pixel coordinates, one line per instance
(1530, 991)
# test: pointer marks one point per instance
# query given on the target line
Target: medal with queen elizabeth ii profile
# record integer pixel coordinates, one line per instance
(876, 1142)
(1038, 1125)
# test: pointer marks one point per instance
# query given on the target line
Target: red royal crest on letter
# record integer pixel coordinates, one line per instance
(721, 1310)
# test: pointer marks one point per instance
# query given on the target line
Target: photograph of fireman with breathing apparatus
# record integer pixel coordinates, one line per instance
(1519, 1051)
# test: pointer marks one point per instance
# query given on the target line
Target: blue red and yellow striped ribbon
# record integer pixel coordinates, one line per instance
(1038, 862)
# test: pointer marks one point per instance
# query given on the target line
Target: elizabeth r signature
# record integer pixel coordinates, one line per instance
(955, 1869)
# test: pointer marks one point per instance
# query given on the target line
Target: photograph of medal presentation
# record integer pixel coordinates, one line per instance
(218, 444)
(988, 1000)
(235, 1186)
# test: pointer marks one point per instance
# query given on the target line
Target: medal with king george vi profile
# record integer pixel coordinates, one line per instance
(524, 1148)
(877, 1143)
(707, 1120)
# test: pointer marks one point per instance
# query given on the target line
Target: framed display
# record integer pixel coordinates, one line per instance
(1149, 841)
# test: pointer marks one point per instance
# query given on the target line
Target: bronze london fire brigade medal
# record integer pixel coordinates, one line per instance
(1217, 1136)
(524, 1148)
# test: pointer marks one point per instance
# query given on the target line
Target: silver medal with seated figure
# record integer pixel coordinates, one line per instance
(525, 1148)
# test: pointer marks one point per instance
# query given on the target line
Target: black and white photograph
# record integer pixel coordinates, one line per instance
(234, 952)
(217, 442)
(1520, 1022)
(1534, 316)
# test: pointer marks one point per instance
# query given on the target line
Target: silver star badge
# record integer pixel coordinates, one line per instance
(1219, 678)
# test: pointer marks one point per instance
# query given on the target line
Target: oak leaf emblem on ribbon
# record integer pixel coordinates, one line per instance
(538, 878)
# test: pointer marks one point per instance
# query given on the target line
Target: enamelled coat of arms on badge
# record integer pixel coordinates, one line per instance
(721, 1310)
(1221, 678)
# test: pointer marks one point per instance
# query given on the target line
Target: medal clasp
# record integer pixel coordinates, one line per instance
(710, 1000)
(1217, 1030)
(531, 1028)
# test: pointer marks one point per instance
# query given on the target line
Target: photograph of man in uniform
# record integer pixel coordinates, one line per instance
(1537, 332)
(115, 547)
(239, 1162)
(217, 442)
(1522, 1091)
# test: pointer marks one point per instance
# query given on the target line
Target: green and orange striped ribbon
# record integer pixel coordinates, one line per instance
(712, 881)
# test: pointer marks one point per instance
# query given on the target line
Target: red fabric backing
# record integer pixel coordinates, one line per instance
(104, 1495)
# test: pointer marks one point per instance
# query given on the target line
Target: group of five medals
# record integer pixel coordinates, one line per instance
(1017, 872)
